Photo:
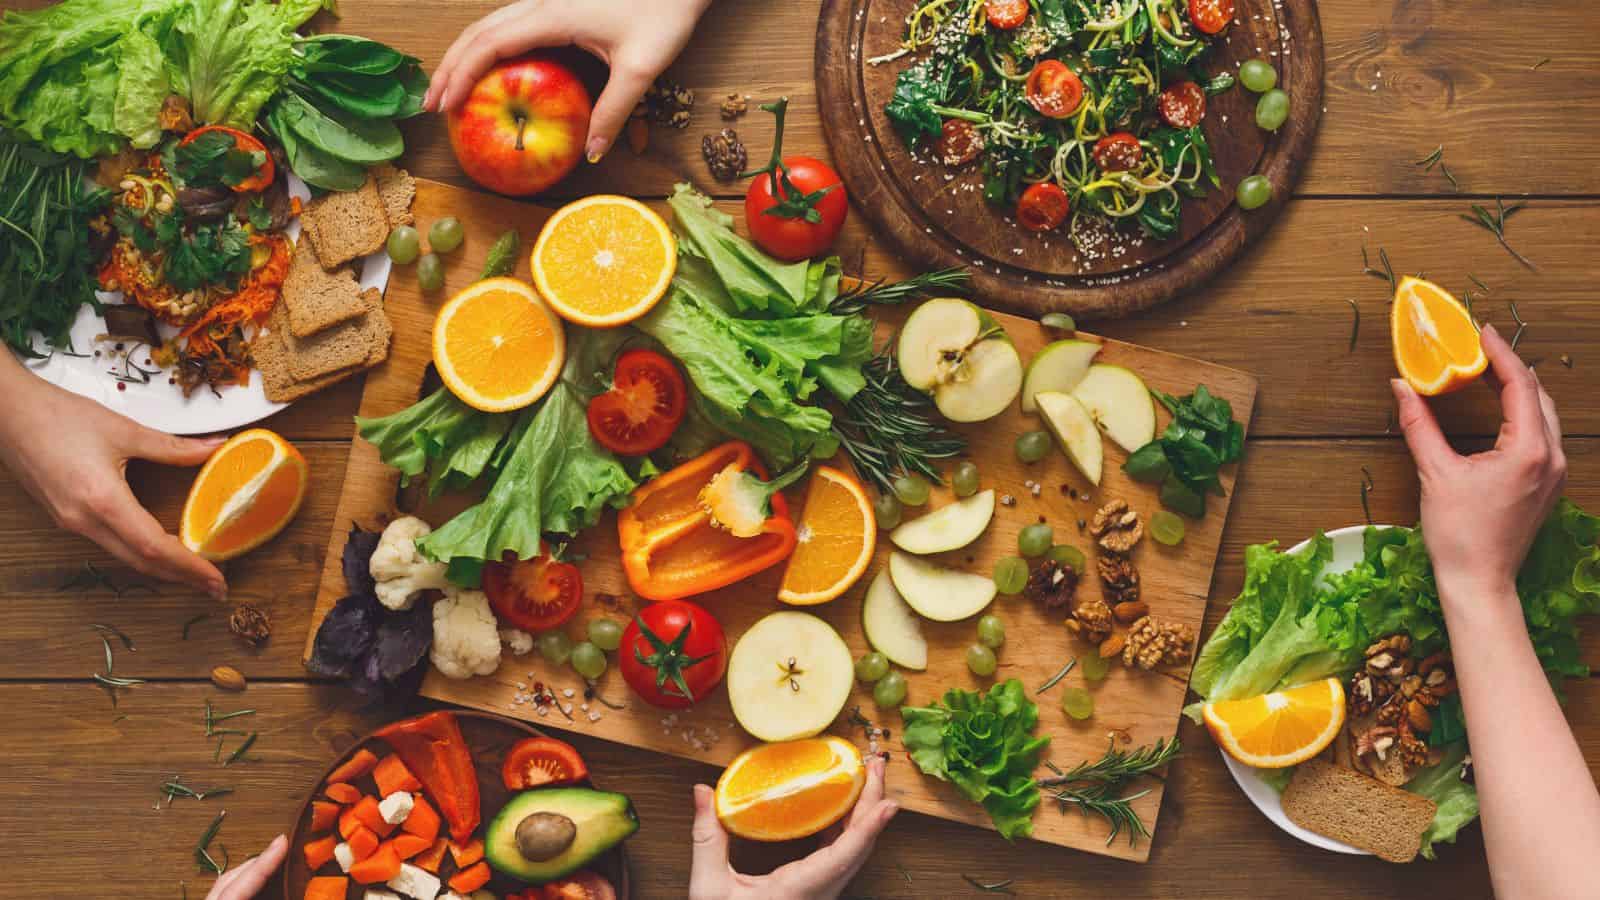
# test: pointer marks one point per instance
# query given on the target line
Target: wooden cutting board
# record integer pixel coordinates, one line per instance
(1131, 707)
(940, 218)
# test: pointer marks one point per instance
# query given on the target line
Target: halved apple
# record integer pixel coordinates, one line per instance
(1074, 429)
(1120, 404)
(938, 593)
(788, 676)
(952, 349)
(891, 627)
(1059, 366)
(947, 528)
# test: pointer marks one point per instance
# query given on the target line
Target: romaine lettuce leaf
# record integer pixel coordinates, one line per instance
(141, 88)
(753, 280)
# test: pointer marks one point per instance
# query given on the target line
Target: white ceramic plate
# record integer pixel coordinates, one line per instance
(160, 405)
(1347, 551)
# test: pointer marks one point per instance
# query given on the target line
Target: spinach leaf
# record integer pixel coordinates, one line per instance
(348, 54)
(314, 165)
(1189, 454)
(1160, 215)
(213, 158)
(350, 138)
(917, 90)
(1062, 18)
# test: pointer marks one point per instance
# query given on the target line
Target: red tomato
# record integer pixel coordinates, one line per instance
(533, 594)
(958, 143)
(247, 142)
(542, 762)
(1006, 13)
(1211, 16)
(1053, 89)
(582, 885)
(646, 402)
(673, 653)
(1043, 206)
(801, 223)
(1182, 105)
(1118, 152)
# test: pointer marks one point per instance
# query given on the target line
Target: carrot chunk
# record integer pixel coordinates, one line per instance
(341, 793)
(471, 878)
(363, 842)
(392, 775)
(380, 866)
(423, 821)
(466, 854)
(348, 822)
(319, 851)
(324, 815)
(408, 845)
(366, 813)
(359, 764)
(431, 858)
(326, 887)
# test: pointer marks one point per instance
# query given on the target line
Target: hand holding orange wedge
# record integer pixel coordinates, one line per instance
(1436, 346)
(1283, 728)
(244, 495)
(788, 790)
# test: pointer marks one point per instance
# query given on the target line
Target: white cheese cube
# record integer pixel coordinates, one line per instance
(379, 894)
(396, 807)
(417, 882)
(345, 856)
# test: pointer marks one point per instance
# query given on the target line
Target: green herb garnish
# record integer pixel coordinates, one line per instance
(1093, 787)
(1355, 323)
(502, 259)
(889, 427)
(1495, 223)
(202, 850)
(1056, 678)
(1187, 458)
(954, 281)
(991, 887)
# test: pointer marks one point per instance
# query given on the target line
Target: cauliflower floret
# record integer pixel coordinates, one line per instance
(401, 572)
(466, 639)
(519, 642)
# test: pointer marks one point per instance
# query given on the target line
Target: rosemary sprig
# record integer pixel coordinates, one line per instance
(192, 622)
(1386, 273)
(942, 282)
(1056, 678)
(1432, 159)
(992, 887)
(117, 633)
(1495, 223)
(106, 679)
(240, 751)
(211, 719)
(202, 850)
(90, 577)
(1539, 65)
(1366, 490)
(888, 427)
(1094, 787)
(1521, 325)
(1450, 176)
(1355, 324)
(1118, 765)
(174, 787)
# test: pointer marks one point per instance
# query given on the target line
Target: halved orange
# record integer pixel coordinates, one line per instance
(1436, 345)
(788, 790)
(497, 346)
(1279, 729)
(837, 532)
(244, 495)
(604, 260)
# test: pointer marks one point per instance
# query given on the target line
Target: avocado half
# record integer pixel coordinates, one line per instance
(603, 820)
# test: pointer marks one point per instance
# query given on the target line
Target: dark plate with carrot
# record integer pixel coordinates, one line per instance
(488, 806)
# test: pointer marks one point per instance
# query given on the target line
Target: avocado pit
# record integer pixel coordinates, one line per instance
(545, 835)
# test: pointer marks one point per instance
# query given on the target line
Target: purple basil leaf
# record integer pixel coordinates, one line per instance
(358, 549)
(346, 634)
(403, 640)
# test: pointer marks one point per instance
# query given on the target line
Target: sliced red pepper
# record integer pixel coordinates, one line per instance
(433, 748)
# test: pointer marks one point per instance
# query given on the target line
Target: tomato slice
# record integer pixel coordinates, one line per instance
(1053, 89)
(533, 594)
(584, 885)
(646, 402)
(1211, 16)
(542, 762)
(1118, 152)
(1043, 206)
(958, 143)
(1006, 13)
(1182, 105)
(262, 179)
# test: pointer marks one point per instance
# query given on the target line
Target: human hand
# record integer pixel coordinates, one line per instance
(1480, 513)
(636, 38)
(245, 880)
(821, 876)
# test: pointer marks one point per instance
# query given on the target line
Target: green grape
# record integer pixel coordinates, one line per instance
(965, 478)
(1257, 75)
(1032, 446)
(981, 661)
(872, 667)
(912, 490)
(1035, 540)
(1068, 555)
(605, 633)
(555, 647)
(445, 235)
(1272, 110)
(588, 660)
(991, 631)
(1094, 666)
(430, 273)
(1253, 192)
(1010, 575)
(886, 509)
(890, 690)
(1077, 703)
(1166, 527)
(404, 245)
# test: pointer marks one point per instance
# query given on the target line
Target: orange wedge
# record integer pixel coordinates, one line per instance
(604, 260)
(779, 792)
(1279, 729)
(497, 346)
(244, 495)
(1436, 346)
(838, 533)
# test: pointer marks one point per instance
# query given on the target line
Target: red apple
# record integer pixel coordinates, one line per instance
(522, 127)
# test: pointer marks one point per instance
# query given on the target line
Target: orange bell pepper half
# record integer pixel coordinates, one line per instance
(672, 545)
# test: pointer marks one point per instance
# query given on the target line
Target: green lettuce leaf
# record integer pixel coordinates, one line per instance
(753, 280)
(229, 56)
(141, 88)
(1455, 800)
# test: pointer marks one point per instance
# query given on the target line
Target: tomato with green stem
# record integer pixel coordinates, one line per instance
(796, 205)
(533, 594)
(673, 653)
(646, 403)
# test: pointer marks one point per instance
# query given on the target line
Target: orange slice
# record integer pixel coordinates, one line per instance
(604, 260)
(1436, 346)
(837, 532)
(779, 792)
(497, 346)
(1279, 729)
(244, 495)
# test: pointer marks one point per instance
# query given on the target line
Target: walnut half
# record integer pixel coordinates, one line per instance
(1116, 528)
(1152, 643)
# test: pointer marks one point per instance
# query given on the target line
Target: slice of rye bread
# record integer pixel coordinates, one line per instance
(315, 299)
(396, 188)
(1363, 812)
(273, 359)
(346, 225)
(344, 346)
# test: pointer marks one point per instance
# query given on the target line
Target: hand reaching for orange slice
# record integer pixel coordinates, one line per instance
(788, 790)
(1436, 346)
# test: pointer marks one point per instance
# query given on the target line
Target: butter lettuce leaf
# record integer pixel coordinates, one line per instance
(141, 87)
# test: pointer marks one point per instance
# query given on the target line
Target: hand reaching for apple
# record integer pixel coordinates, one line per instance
(636, 38)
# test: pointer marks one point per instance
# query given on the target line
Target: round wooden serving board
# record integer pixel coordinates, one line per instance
(939, 218)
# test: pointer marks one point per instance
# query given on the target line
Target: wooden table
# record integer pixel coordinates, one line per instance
(78, 778)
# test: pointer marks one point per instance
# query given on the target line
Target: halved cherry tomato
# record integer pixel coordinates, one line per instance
(1053, 89)
(584, 885)
(1006, 13)
(958, 143)
(1182, 105)
(1211, 16)
(646, 402)
(1118, 152)
(542, 762)
(262, 179)
(1043, 206)
(533, 594)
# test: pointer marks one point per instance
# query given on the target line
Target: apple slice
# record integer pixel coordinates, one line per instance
(947, 528)
(938, 593)
(1120, 404)
(1057, 367)
(1074, 429)
(788, 676)
(891, 627)
(934, 337)
(952, 349)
